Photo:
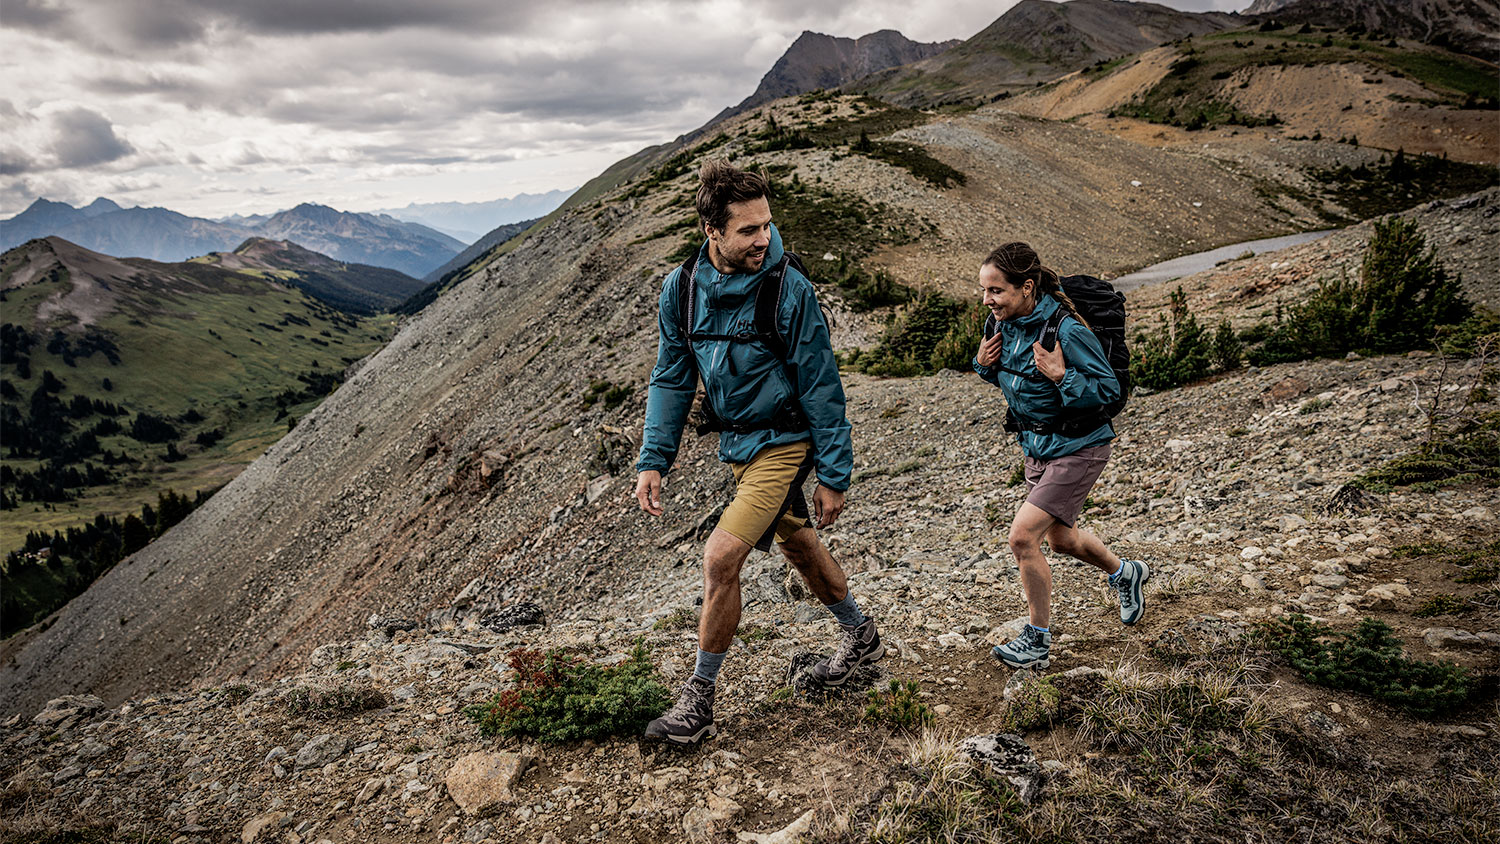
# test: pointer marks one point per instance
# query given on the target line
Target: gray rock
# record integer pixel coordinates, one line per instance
(1447, 638)
(520, 614)
(389, 624)
(62, 708)
(1009, 759)
(804, 613)
(1017, 681)
(321, 750)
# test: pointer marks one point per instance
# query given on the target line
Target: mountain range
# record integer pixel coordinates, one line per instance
(468, 221)
(160, 234)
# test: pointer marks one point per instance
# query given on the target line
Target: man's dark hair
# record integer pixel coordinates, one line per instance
(719, 184)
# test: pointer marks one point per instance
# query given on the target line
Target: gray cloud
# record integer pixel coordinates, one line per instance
(14, 162)
(85, 138)
(35, 15)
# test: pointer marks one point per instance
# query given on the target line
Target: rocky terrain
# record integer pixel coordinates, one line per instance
(1225, 488)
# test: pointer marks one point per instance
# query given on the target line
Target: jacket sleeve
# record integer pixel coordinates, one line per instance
(674, 382)
(1089, 380)
(988, 373)
(815, 379)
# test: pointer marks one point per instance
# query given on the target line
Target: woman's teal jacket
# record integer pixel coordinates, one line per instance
(1089, 381)
(745, 382)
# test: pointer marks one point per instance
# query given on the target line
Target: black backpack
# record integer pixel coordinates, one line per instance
(789, 417)
(1103, 308)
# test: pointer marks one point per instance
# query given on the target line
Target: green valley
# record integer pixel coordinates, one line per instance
(127, 380)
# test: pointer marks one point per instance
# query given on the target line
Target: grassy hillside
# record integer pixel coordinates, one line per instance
(1195, 91)
(180, 377)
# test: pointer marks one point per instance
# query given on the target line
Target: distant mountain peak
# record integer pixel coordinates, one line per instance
(815, 60)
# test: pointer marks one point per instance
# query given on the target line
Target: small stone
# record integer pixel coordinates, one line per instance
(321, 750)
(62, 708)
(953, 640)
(1253, 582)
(260, 828)
(1384, 596)
(698, 824)
(479, 782)
(1009, 758)
(1251, 552)
(789, 834)
(389, 624)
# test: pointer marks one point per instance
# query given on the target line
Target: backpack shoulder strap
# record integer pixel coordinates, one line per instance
(768, 302)
(1050, 329)
(687, 289)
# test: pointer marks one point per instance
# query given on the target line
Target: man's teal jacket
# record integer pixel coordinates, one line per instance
(745, 382)
(1088, 382)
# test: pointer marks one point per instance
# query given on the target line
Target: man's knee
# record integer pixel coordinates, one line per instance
(1065, 541)
(1022, 542)
(722, 559)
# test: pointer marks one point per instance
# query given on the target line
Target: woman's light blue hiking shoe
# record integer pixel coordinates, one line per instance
(1128, 582)
(1028, 650)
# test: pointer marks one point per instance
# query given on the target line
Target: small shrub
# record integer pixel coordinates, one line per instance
(681, 618)
(1312, 406)
(338, 701)
(899, 706)
(1017, 475)
(1034, 706)
(910, 344)
(1442, 605)
(1176, 353)
(1227, 349)
(234, 694)
(1368, 660)
(957, 348)
(561, 697)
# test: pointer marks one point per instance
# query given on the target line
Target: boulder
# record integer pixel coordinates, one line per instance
(1450, 638)
(479, 782)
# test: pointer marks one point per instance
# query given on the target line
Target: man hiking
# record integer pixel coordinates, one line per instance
(772, 389)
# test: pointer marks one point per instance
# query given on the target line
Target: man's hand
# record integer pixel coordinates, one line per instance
(1050, 364)
(827, 505)
(648, 491)
(989, 350)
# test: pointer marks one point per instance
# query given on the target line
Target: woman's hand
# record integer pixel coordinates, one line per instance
(1050, 364)
(989, 351)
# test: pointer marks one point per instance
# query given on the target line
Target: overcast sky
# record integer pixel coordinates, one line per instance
(215, 107)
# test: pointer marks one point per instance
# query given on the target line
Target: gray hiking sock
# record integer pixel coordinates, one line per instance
(847, 612)
(708, 665)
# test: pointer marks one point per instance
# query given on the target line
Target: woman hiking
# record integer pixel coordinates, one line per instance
(1055, 387)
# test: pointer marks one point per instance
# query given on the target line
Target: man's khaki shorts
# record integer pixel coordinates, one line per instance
(768, 502)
